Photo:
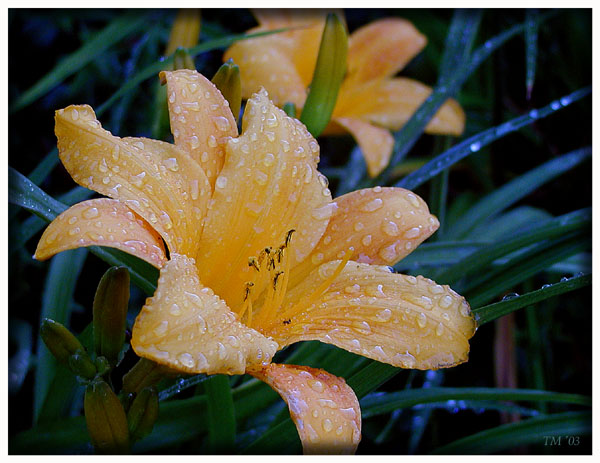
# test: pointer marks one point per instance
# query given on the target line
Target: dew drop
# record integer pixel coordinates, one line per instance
(260, 177)
(221, 182)
(366, 240)
(388, 253)
(161, 329)
(475, 147)
(194, 142)
(372, 205)
(175, 310)
(422, 320)
(316, 386)
(390, 228)
(412, 233)
(222, 123)
(212, 141)
(72, 220)
(90, 213)
(384, 315)
(194, 189)
(171, 164)
(413, 200)
(439, 330)
(445, 302)
(186, 360)
(327, 425)
(268, 160)
(464, 309)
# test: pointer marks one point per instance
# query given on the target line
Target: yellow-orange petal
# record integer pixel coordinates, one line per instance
(269, 185)
(155, 179)
(201, 120)
(323, 407)
(376, 143)
(264, 62)
(382, 48)
(102, 222)
(186, 327)
(301, 44)
(380, 225)
(391, 102)
(406, 321)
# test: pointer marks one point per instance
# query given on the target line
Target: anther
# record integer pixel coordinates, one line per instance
(252, 263)
(277, 275)
(288, 238)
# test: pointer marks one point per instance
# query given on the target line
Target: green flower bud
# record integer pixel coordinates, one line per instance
(228, 81)
(327, 77)
(143, 413)
(81, 364)
(110, 313)
(59, 340)
(144, 373)
(183, 60)
(105, 419)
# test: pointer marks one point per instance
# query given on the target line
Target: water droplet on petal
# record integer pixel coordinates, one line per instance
(90, 213)
(422, 320)
(372, 205)
(186, 360)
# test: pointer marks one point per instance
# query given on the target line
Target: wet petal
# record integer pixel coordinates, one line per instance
(102, 222)
(382, 48)
(269, 185)
(391, 102)
(201, 120)
(376, 143)
(323, 407)
(380, 225)
(155, 179)
(264, 62)
(282, 63)
(406, 321)
(186, 327)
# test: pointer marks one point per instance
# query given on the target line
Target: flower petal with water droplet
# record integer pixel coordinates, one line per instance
(323, 407)
(382, 225)
(406, 321)
(200, 334)
(102, 222)
(268, 186)
(198, 111)
(151, 177)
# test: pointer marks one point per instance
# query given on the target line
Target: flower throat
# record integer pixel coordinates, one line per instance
(271, 270)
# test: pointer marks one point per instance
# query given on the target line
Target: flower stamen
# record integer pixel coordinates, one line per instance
(310, 299)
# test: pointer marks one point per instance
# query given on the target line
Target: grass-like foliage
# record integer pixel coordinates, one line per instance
(513, 196)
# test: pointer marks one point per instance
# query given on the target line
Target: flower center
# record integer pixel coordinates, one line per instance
(271, 271)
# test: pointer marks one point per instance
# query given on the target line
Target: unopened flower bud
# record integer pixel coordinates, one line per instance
(142, 413)
(59, 340)
(105, 419)
(110, 313)
(228, 81)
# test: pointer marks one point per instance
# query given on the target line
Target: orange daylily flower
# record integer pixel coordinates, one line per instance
(259, 255)
(371, 101)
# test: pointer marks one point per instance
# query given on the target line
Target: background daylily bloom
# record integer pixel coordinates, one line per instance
(371, 100)
(259, 256)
